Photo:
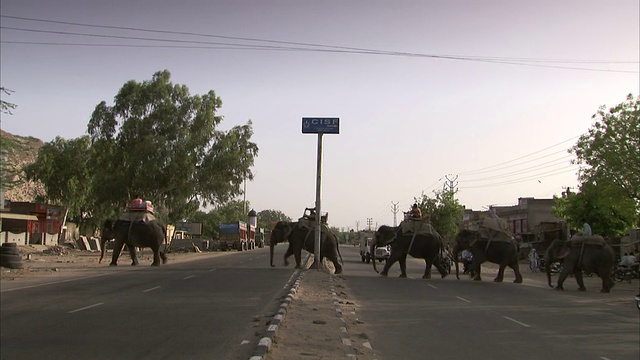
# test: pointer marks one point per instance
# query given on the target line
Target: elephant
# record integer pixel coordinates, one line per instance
(589, 254)
(423, 246)
(302, 237)
(501, 249)
(151, 234)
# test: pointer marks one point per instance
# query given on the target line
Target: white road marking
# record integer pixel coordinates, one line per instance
(54, 282)
(84, 308)
(153, 288)
(189, 277)
(213, 269)
(463, 299)
(431, 286)
(604, 358)
(516, 321)
(244, 342)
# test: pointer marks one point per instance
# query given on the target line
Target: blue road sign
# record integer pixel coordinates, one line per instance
(316, 125)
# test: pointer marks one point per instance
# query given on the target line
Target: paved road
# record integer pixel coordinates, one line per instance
(214, 308)
(462, 319)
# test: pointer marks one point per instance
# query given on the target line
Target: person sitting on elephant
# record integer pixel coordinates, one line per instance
(415, 212)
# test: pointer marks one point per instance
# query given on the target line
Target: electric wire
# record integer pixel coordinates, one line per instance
(297, 46)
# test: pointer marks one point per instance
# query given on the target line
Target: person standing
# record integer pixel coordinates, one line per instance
(534, 260)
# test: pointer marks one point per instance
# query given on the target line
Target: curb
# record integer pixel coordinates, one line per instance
(264, 345)
(344, 335)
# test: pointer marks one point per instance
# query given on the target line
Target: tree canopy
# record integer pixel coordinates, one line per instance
(610, 150)
(62, 167)
(444, 210)
(163, 144)
(603, 205)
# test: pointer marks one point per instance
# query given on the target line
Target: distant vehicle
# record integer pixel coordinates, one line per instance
(383, 253)
(365, 252)
(234, 236)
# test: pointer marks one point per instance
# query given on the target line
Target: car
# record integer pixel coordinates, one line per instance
(365, 252)
(383, 253)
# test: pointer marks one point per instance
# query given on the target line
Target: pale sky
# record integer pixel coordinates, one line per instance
(408, 118)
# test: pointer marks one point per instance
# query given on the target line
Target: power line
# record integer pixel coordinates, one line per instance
(548, 164)
(520, 180)
(296, 46)
(518, 158)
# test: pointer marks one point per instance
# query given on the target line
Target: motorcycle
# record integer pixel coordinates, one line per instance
(556, 267)
(623, 273)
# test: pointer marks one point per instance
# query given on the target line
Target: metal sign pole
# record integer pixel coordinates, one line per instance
(318, 204)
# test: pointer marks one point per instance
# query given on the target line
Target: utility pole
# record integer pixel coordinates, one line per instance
(394, 210)
(451, 184)
(369, 223)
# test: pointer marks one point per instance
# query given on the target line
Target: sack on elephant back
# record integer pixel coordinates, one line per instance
(495, 229)
(418, 227)
(142, 216)
(579, 240)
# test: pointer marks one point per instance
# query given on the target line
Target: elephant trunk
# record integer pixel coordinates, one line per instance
(103, 238)
(271, 246)
(456, 250)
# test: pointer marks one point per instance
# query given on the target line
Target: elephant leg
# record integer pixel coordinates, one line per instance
(562, 277)
(297, 254)
(287, 254)
(163, 256)
(607, 281)
(440, 266)
(403, 265)
(475, 270)
(500, 277)
(156, 257)
(133, 254)
(117, 249)
(579, 280)
(516, 270)
(427, 269)
(392, 259)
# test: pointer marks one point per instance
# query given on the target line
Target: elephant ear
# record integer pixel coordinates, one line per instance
(564, 252)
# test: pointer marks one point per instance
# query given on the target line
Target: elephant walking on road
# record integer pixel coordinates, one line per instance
(302, 237)
(421, 246)
(501, 249)
(151, 234)
(590, 254)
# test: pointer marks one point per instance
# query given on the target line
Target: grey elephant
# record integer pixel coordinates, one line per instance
(151, 234)
(425, 245)
(590, 254)
(300, 236)
(499, 248)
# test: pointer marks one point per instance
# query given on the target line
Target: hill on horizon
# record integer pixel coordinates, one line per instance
(16, 152)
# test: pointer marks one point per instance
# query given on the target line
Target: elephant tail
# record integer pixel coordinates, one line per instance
(106, 229)
(338, 250)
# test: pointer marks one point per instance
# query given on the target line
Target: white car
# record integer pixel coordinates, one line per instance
(383, 253)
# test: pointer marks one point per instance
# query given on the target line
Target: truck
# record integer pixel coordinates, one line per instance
(234, 236)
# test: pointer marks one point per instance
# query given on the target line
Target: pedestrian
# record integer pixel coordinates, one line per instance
(534, 260)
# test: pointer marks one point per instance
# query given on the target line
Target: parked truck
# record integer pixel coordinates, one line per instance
(234, 236)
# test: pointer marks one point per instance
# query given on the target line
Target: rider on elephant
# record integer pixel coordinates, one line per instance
(415, 212)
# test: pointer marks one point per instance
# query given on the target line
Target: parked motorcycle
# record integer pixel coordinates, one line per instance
(623, 273)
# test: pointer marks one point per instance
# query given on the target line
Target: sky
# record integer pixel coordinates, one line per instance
(488, 94)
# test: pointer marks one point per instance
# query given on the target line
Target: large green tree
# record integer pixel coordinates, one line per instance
(610, 151)
(268, 218)
(62, 167)
(163, 144)
(444, 210)
(602, 204)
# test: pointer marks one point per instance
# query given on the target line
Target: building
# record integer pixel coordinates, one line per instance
(30, 223)
(531, 221)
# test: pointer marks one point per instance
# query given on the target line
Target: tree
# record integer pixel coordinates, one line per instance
(63, 169)
(444, 210)
(8, 171)
(161, 143)
(601, 204)
(268, 218)
(610, 150)
(6, 107)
